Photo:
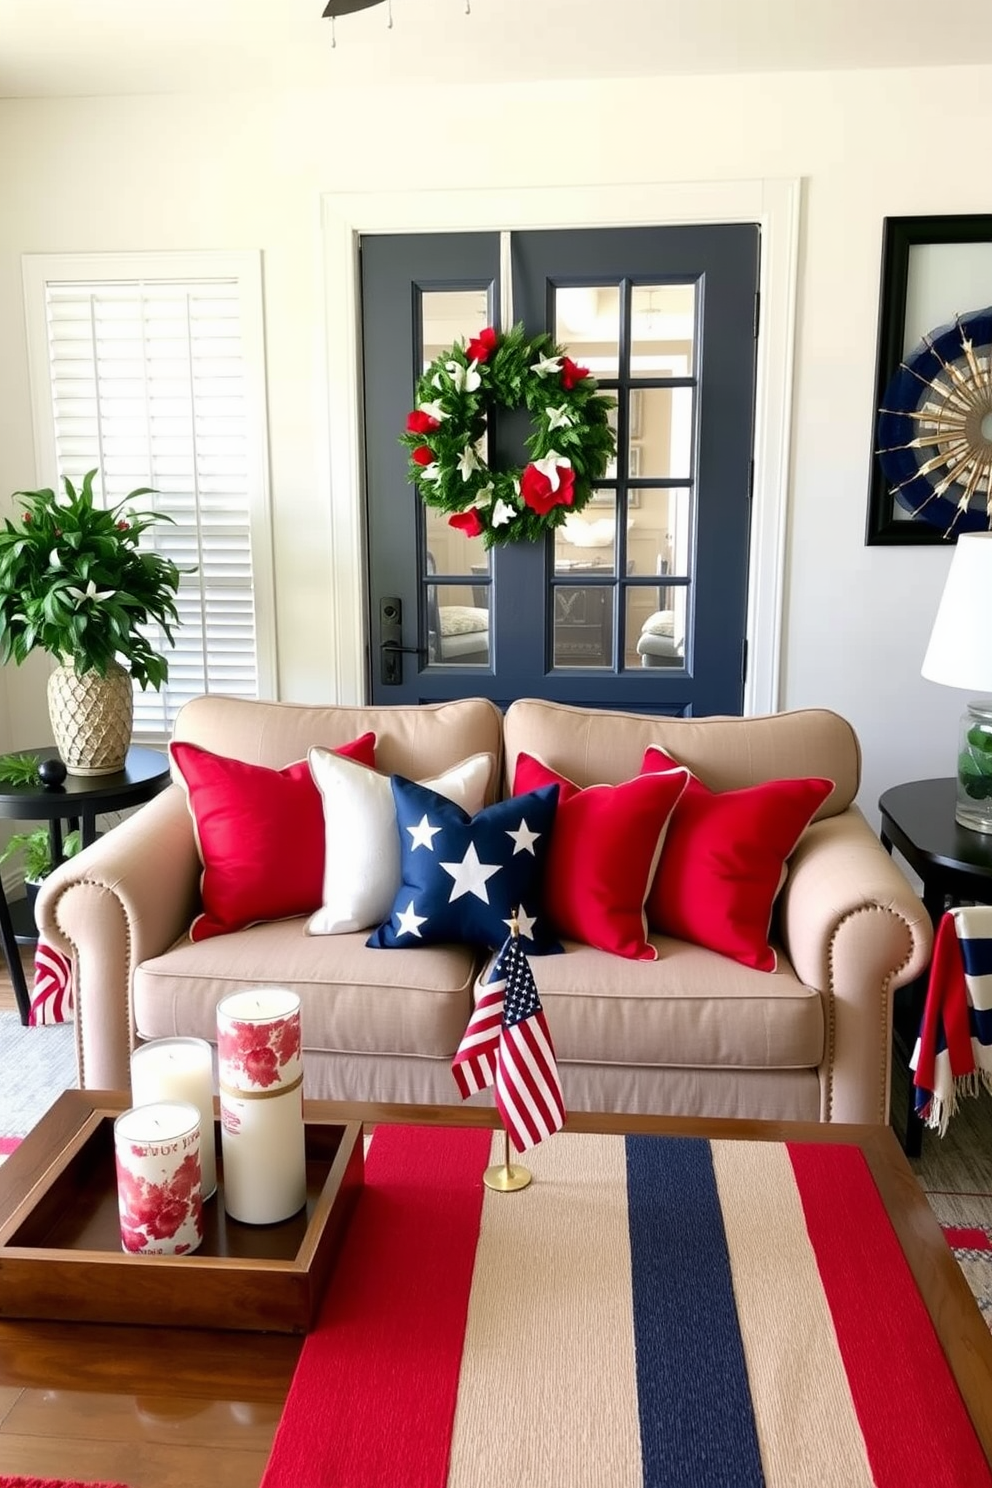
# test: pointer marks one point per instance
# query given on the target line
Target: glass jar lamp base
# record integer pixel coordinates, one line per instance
(974, 793)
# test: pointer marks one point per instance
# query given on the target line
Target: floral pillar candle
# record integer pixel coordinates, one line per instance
(157, 1150)
(180, 1069)
(261, 1104)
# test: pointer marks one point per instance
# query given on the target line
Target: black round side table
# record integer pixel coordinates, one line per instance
(955, 865)
(79, 800)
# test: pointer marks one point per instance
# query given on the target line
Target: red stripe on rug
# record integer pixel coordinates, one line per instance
(959, 1238)
(914, 1422)
(379, 1373)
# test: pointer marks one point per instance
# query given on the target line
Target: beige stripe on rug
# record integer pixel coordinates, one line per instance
(807, 1426)
(525, 1353)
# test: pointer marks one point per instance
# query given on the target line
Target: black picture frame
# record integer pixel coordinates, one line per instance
(899, 236)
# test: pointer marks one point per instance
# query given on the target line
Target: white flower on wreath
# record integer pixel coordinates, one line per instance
(546, 366)
(502, 513)
(484, 495)
(559, 418)
(468, 461)
(549, 467)
(431, 472)
(433, 410)
(465, 379)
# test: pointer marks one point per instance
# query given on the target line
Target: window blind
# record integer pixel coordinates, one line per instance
(148, 386)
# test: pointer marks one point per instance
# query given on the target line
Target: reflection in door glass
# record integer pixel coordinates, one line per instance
(450, 315)
(654, 626)
(587, 325)
(662, 447)
(586, 540)
(583, 625)
(457, 625)
(662, 330)
(454, 553)
(658, 531)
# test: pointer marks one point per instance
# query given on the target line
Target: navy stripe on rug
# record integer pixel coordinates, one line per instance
(697, 1423)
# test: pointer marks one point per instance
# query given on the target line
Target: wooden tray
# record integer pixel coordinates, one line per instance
(60, 1248)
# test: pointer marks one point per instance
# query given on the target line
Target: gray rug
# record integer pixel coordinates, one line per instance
(36, 1065)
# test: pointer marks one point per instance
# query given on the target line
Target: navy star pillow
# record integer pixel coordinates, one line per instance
(464, 876)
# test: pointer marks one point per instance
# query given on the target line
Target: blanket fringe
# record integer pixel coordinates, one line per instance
(941, 1109)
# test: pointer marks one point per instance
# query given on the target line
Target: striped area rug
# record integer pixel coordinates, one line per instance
(650, 1312)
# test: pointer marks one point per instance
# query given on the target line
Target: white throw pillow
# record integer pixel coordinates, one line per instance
(362, 872)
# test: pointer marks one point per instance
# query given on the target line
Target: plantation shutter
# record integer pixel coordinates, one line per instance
(148, 385)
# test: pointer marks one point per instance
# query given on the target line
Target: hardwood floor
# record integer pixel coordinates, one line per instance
(7, 1003)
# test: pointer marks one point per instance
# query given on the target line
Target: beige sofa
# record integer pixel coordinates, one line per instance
(691, 1033)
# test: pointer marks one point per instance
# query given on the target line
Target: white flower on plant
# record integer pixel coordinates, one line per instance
(549, 467)
(433, 410)
(559, 418)
(54, 561)
(502, 513)
(468, 461)
(464, 379)
(546, 366)
(90, 592)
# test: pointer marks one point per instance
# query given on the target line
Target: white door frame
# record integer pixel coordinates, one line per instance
(774, 204)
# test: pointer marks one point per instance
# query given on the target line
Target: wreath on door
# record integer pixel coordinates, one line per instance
(571, 442)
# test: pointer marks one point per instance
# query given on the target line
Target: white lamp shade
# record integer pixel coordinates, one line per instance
(960, 649)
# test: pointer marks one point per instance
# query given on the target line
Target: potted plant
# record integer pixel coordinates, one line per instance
(37, 849)
(75, 582)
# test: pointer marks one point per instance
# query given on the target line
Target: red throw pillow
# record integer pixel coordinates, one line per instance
(724, 861)
(604, 851)
(260, 833)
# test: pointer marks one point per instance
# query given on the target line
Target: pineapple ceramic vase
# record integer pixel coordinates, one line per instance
(91, 718)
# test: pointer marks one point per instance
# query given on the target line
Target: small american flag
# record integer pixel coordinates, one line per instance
(507, 1044)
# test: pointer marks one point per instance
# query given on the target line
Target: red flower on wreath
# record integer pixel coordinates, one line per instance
(422, 455)
(419, 422)
(468, 522)
(482, 346)
(571, 373)
(536, 489)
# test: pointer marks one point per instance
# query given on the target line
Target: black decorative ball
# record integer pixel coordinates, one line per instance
(51, 772)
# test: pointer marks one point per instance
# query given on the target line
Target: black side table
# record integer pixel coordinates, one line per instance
(78, 801)
(955, 865)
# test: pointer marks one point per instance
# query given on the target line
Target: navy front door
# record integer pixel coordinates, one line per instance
(639, 601)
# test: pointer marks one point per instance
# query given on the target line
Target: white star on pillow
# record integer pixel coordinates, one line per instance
(409, 922)
(524, 838)
(423, 834)
(470, 876)
(525, 923)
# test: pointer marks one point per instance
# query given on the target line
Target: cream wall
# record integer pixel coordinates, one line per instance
(247, 172)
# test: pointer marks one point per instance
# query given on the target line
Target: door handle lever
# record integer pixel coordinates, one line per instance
(391, 642)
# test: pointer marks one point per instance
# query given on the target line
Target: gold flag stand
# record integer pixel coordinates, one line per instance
(504, 1177)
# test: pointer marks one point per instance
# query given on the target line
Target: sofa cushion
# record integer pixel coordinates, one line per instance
(724, 861)
(590, 745)
(352, 999)
(690, 1008)
(259, 833)
(465, 877)
(361, 838)
(604, 851)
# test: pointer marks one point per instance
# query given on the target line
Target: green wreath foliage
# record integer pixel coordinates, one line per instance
(571, 433)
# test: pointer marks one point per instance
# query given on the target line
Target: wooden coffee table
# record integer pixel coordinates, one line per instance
(190, 1408)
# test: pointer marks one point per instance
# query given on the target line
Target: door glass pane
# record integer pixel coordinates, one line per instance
(450, 551)
(587, 325)
(654, 626)
(662, 330)
(457, 625)
(583, 625)
(586, 541)
(450, 315)
(663, 448)
(658, 531)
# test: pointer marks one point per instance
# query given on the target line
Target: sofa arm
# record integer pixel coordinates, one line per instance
(127, 897)
(854, 929)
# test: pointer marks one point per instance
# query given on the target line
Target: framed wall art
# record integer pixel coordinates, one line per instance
(931, 463)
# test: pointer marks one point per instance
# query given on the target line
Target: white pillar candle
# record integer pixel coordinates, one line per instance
(260, 1064)
(157, 1151)
(180, 1069)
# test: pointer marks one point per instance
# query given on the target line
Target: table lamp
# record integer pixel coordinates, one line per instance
(960, 655)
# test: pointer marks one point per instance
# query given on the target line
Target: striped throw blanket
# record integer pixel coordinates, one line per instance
(51, 995)
(953, 1054)
(651, 1312)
